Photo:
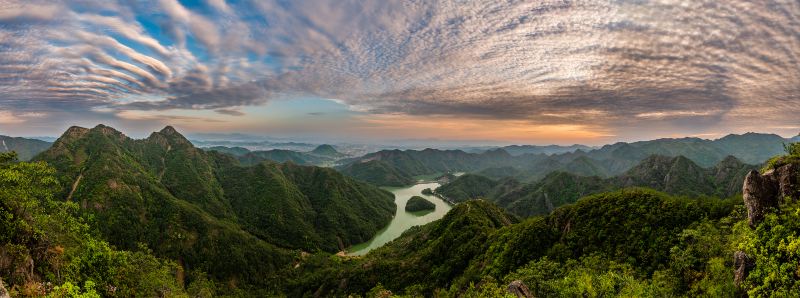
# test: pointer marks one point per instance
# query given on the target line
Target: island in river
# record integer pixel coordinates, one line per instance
(404, 220)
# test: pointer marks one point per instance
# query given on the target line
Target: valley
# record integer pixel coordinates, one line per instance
(235, 222)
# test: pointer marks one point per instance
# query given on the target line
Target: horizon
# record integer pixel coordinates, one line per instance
(419, 143)
(375, 71)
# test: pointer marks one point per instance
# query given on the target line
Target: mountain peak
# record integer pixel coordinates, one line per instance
(169, 130)
(169, 137)
(325, 149)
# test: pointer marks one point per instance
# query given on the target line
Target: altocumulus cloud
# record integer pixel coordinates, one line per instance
(617, 63)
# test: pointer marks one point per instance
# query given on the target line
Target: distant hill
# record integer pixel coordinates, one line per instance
(208, 210)
(25, 148)
(235, 151)
(673, 175)
(248, 157)
(377, 172)
(607, 161)
(517, 150)
(327, 151)
(466, 187)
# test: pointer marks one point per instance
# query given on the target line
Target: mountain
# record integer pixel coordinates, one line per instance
(377, 172)
(477, 250)
(184, 202)
(248, 157)
(427, 162)
(607, 161)
(673, 175)
(281, 155)
(467, 187)
(235, 151)
(327, 151)
(796, 139)
(517, 150)
(25, 148)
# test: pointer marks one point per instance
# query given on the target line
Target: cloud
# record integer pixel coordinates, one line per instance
(230, 112)
(615, 64)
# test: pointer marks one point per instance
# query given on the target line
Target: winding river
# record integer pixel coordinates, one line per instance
(403, 220)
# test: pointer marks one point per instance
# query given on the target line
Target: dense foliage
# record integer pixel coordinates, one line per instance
(635, 241)
(208, 212)
(417, 203)
(46, 247)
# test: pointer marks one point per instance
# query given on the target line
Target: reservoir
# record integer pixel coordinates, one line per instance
(403, 220)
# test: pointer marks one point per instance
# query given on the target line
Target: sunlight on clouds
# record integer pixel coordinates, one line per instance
(453, 128)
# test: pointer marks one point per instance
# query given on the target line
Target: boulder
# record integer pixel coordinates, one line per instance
(759, 192)
(742, 265)
(787, 178)
(519, 289)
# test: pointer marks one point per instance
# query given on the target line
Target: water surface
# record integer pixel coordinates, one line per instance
(403, 220)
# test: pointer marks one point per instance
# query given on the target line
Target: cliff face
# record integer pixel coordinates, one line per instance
(761, 192)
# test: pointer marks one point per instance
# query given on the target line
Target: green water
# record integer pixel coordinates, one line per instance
(403, 220)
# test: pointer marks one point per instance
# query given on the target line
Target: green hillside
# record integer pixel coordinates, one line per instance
(417, 203)
(377, 172)
(467, 187)
(25, 148)
(184, 202)
(673, 175)
(598, 241)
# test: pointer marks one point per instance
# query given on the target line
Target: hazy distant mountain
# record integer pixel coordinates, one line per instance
(235, 151)
(377, 172)
(25, 148)
(280, 155)
(674, 175)
(205, 208)
(796, 138)
(607, 161)
(327, 151)
(321, 157)
(549, 149)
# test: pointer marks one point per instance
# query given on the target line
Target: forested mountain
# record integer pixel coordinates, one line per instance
(327, 151)
(25, 148)
(517, 150)
(183, 202)
(377, 172)
(673, 175)
(323, 155)
(607, 161)
(103, 214)
(625, 242)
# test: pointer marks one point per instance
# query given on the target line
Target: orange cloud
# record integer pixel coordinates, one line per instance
(456, 128)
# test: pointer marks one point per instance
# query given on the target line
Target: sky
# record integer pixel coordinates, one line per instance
(533, 72)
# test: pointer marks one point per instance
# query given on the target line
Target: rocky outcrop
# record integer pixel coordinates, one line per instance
(759, 192)
(786, 177)
(742, 265)
(519, 289)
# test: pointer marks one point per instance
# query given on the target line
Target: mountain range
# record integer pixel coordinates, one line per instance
(607, 161)
(672, 175)
(322, 155)
(102, 214)
(24, 147)
(206, 209)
